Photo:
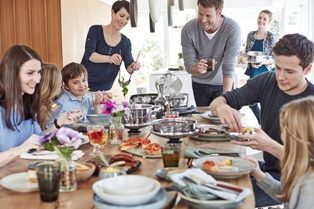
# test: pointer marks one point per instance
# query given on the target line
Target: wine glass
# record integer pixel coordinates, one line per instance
(98, 136)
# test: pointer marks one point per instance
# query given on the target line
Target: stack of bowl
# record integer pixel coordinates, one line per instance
(129, 191)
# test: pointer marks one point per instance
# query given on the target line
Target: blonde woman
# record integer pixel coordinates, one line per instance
(50, 89)
(297, 166)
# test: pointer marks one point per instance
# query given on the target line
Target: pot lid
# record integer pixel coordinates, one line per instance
(173, 84)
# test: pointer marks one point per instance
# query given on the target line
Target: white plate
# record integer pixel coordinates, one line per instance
(209, 116)
(17, 182)
(156, 203)
(209, 204)
(242, 166)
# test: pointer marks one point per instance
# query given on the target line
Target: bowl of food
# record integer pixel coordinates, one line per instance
(255, 57)
(126, 190)
(99, 118)
(84, 171)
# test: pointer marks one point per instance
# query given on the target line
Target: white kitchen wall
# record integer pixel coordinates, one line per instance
(76, 18)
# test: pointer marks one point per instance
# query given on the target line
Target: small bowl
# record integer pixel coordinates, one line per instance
(82, 175)
(126, 183)
(99, 118)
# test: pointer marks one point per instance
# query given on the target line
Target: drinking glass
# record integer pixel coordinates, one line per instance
(97, 135)
(48, 176)
(171, 154)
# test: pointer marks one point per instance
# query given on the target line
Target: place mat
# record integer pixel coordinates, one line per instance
(48, 155)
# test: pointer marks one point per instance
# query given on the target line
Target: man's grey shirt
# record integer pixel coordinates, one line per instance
(224, 47)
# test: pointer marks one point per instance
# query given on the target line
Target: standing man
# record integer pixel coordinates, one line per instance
(210, 36)
(293, 55)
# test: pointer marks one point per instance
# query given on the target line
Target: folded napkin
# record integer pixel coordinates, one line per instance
(204, 190)
(48, 155)
(196, 152)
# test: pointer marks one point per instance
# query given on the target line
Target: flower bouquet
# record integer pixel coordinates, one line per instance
(117, 112)
(63, 142)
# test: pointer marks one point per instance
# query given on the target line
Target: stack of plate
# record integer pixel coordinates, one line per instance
(129, 192)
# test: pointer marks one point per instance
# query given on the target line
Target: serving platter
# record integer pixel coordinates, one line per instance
(140, 152)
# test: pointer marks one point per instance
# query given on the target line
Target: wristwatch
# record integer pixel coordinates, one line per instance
(56, 123)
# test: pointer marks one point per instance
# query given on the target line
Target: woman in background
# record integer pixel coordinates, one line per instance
(297, 165)
(264, 41)
(19, 102)
(106, 47)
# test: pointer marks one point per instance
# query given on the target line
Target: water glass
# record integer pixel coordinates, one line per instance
(171, 154)
(48, 176)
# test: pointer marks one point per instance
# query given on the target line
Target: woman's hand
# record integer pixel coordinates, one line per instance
(134, 66)
(257, 173)
(115, 59)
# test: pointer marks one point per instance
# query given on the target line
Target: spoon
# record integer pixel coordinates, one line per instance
(129, 81)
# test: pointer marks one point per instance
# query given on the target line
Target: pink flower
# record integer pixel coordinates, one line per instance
(108, 107)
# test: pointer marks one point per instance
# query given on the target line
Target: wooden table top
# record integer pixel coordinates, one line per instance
(82, 197)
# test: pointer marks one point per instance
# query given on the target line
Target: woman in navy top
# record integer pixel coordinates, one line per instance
(264, 41)
(106, 48)
(19, 102)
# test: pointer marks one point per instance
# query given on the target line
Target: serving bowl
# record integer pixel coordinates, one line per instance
(84, 174)
(255, 56)
(136, 185)
(129, 189)
(99, 118)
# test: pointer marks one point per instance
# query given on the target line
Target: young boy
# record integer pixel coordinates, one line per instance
(75, 97)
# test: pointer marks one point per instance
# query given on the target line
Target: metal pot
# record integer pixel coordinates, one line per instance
(139, 114)
(255, 56)
(174, 125)
(179, 100)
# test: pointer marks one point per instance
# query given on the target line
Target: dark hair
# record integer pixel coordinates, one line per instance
(298, 45)
(20, 107)
(218, 4)
(269, 13)
(116, 6)
(71, 71)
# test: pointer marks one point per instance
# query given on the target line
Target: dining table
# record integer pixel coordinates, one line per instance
(82, 197)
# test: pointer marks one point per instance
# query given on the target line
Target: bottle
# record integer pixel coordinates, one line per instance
(180, 61)
(161, 99)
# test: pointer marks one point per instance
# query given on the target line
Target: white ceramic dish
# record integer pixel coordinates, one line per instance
(209, 204)
(126, 200)
(17, 182)
(242, 166)
(135, 185)
(157, 202)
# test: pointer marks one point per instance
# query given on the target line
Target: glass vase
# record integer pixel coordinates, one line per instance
(116, 130)
(68, 181)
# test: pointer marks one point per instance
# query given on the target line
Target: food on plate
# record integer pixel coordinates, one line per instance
(213, 131)
(81, 167)
(153, 149)
(220, 165)
(31, 173)
(141, 143)
(132, 143)
(247, 130)
(124, 160)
